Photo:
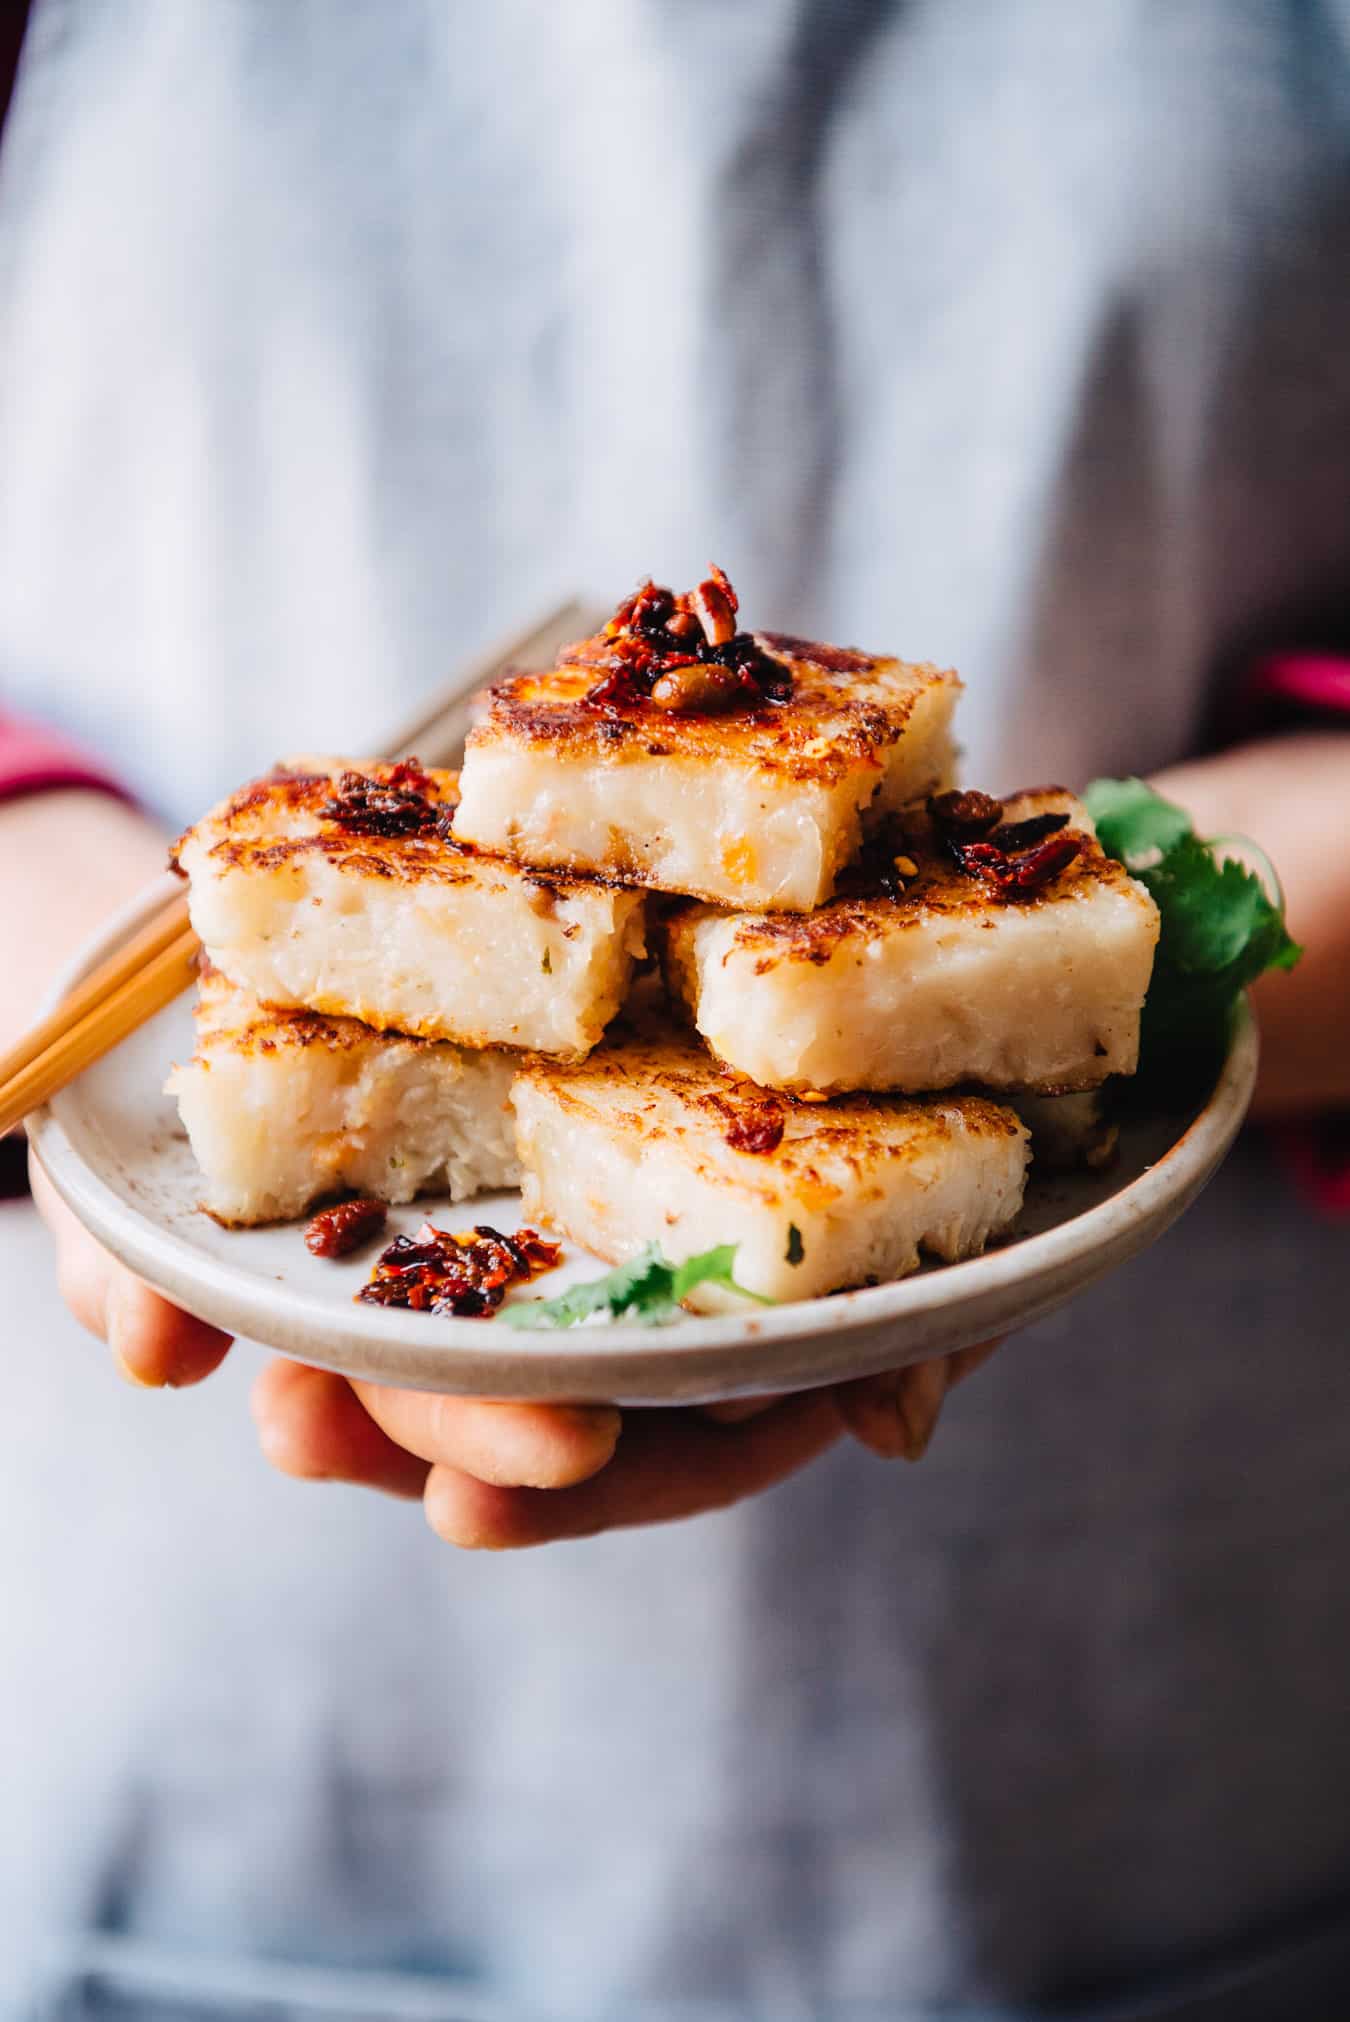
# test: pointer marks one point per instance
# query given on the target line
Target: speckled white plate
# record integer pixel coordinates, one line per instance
(113, 1148)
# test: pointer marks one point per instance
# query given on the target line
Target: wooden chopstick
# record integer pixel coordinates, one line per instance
(130, 1004)
(423, 732)
(98, 986)
(159, 961)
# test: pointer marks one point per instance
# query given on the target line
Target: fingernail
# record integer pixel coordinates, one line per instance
(272, 1437)
(124, 1368)
(593, 1417)
(917, 1437)
(891, 1436)
(115, 1324)
(919, 1418)
(876, 1417)
(735, 1410)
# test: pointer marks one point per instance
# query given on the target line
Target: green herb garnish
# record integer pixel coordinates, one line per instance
(648, 1290)
(1222, 925)
(796, 1248)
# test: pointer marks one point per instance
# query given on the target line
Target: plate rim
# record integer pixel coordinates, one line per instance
(700, 1356)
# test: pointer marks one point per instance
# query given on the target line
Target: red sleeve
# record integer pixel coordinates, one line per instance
(33, 758)
(1282, 690)
(1289, 688)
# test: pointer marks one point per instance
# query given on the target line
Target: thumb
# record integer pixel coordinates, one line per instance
(153, 1343)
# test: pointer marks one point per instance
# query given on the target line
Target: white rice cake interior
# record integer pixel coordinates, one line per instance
(285, 1107)
(646, 1142)
(754, 809)
(940, 984)
(408, 932)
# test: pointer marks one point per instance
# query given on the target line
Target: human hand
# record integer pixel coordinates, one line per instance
(153, 1344)
(500, 1475)
(504, 1475)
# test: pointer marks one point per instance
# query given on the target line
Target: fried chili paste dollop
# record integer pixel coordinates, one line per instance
(337, 1231)
(466, 1275)
(396, 806)
(1015, 859)
(684, 655)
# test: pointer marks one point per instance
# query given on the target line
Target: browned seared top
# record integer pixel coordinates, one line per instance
(229, 1019)
(847, 710)
(908, 874)
(656, 1082)
(374, 820)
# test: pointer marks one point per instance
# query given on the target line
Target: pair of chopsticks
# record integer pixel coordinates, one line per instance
(160, 960)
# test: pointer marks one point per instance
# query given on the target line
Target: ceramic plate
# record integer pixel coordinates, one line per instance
(115, 1151)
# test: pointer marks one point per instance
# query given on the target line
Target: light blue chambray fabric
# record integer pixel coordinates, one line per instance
(332, 338)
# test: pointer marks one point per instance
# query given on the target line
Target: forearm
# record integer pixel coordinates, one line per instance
(1292, 796)
(68, 858)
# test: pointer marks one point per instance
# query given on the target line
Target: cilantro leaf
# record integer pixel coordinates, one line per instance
(713, 1267)
(1133, 822)
(1221, 927)
(646, 1289)
(626, 1285)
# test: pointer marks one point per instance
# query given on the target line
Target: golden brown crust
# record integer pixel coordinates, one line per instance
(659, 1084)
(846, 712)
(280, 819)
(863, 912)
(232, 1020)
(229, 1019)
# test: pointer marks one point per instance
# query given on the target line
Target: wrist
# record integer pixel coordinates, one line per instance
(69, 857)
(1289, 794)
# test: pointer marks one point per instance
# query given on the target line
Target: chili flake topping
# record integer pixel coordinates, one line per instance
(1020, 876)
(1017, 859)
(337, 1231)
(1014, 836)
(684, 654)
(966, 814)
(758, 1131)
(397, 806)
(466, 1275)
